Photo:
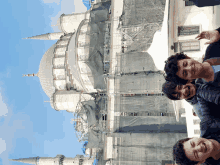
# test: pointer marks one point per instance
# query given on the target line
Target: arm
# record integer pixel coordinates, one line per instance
(213, 61)
(212, 35)
(202, 109)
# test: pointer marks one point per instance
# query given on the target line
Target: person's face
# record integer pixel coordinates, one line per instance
(189, 69)
(185, 91)
(198, 149)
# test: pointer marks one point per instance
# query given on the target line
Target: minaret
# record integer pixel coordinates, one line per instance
(58, 160)
(30, 75)
(47, 36)
(32, 160)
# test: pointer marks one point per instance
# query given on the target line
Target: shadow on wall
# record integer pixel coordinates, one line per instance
(137, 61)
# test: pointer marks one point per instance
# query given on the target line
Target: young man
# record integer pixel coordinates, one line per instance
(206, 101)
(182, 69)
(205, 98)
(205, 149)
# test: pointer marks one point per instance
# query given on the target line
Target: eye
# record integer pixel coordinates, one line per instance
(185, 64)
(179, 87)
(185, 73)
(192, 144)
(178, 95)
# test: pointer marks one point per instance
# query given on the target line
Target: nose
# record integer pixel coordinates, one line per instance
(188, 67)
(198, 148)
(183, 90)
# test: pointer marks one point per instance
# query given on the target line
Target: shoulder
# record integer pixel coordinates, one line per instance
(210, 128)
(217, 78)
(192, 100)
(211, 161)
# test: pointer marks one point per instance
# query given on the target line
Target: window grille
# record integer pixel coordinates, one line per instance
(189, 3)
(196, 131)
(188, 30)
(147, 114)
(187, 46)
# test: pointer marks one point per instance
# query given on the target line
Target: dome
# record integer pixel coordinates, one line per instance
(58, 24)
(45, 72)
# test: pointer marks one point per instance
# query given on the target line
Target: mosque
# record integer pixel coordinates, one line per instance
(73, 71)
(100, 70)
(74, 67)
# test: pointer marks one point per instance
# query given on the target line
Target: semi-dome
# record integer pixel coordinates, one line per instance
(45, 72)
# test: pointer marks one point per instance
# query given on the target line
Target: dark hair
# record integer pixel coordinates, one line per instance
(171, 68)
(179, 155)
(168, 88)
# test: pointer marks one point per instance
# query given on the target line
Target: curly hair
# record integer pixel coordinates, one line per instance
(171, 68)
(168, 88)
(179, 155)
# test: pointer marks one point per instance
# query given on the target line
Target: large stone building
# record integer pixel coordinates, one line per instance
(100, 70)
(74, 67)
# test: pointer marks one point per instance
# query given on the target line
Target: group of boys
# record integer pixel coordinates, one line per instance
(199, 84)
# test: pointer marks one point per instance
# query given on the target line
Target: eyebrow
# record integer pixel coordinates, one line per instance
(195, 156)
(175, 94)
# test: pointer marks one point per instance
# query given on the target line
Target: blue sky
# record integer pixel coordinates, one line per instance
(29, 127)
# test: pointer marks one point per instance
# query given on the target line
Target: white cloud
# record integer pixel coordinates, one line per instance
(67, 7)
(14, 126)
(3, 107)
(3, 145)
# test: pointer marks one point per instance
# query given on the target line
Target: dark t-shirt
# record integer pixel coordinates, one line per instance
(211, 130)
(203, 3)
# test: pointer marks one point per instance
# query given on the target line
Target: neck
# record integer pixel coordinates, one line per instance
(207, 72)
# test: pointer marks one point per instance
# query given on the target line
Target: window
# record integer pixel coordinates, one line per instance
(192, 45)
(188, 30)
(104, 117)
(168, 162)
(189, 3)
(196, 131)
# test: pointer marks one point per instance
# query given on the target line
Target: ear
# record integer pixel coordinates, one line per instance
(201, 162)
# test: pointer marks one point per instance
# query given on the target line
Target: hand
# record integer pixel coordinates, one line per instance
(213, 36)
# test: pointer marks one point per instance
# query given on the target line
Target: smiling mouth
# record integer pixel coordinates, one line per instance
(204, 147)
(188, 91)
